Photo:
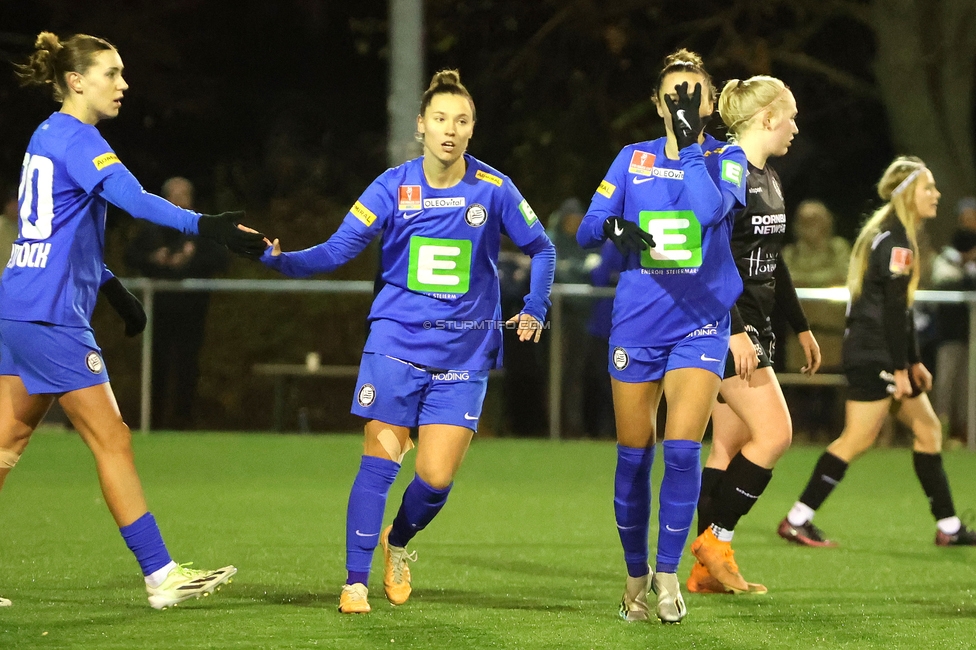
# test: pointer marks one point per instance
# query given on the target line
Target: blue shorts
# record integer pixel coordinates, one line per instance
(50, 358)
(704, 348)
(401, 393)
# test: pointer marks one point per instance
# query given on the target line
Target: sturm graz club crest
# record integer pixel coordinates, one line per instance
(476, 215)
(367, 394)
(94, 362)
(620, 358)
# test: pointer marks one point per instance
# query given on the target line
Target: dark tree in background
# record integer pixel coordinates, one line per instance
(280, 107)
(279, 97)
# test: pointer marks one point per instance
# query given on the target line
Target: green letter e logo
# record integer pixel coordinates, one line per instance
(732, 172)
(439, 265)
(677, 240)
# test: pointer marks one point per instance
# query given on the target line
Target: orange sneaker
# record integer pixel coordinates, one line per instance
(719, 558)
(396, 577)
(352, 600)
(756, 588)
(701, 581)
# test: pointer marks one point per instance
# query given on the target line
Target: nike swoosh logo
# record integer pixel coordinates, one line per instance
(468, 417)
(626, 527)
(676, 530)
(638, 181)
(704, 358)
(365, 535)
(680, 114)
(411, 215)
(617, 230)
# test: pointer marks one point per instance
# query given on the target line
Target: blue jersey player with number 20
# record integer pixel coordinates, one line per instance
(55, 273)
(435, 326)
(667, 204)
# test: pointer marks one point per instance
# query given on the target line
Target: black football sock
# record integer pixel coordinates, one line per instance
(828, 472)
(743, 483)
(935, 483)
(710, 479)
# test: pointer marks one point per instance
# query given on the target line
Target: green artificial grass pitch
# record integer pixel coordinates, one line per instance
(524, 555)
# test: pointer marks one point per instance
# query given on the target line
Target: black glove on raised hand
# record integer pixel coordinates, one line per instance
(627, 235)
(685, 118)
(222, 228)
(127, 306)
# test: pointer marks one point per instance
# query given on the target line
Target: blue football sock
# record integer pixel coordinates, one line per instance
(364, 515)
(146, 542)
(420, 505)
(679, 495)
(632, 505)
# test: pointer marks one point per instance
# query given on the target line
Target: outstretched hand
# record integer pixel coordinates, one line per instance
(275, 246)
(225, 228)
(686, 119)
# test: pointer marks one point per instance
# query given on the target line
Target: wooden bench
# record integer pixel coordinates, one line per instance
(799, 379)
(284, 374)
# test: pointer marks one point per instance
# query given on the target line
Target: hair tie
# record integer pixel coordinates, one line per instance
(774, 100)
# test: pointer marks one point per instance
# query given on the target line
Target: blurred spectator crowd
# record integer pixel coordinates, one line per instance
(816, 257)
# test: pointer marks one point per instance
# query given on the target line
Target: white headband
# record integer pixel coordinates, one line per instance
(902, 186)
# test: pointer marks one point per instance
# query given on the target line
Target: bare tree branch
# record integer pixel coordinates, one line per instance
(536, 39)
(800, 61)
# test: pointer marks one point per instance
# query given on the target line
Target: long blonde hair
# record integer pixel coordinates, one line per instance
(741, 101)
(897, 188)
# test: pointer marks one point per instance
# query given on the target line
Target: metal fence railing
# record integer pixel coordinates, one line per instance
(149, 288)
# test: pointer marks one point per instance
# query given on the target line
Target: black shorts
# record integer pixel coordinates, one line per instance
(765, 344)
(873, 382)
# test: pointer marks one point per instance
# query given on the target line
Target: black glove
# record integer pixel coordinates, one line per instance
(685, 118)
(627, 235)
(222, 228)
(127, 306)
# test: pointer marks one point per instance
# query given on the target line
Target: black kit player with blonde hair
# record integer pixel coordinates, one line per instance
(751, 428)
(881, 358)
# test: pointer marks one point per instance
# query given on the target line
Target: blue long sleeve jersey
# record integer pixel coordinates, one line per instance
(689, 278)
(440, 302)
(56, 266)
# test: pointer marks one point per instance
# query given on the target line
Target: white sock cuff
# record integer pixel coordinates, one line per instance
(949, 525)
(156, 578)
(800, 514)
(722, 534)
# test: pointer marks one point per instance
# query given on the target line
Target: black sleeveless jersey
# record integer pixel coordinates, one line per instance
(880, 325)
(758, 236)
